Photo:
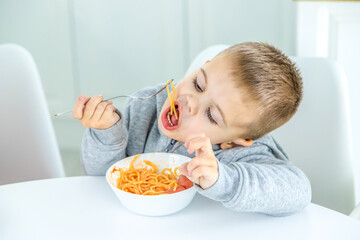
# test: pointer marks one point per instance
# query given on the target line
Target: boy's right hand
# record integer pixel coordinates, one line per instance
(93, 113)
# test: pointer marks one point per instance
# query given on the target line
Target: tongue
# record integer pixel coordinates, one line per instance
(173, 118)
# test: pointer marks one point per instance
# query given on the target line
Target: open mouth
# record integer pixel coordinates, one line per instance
(169, 121)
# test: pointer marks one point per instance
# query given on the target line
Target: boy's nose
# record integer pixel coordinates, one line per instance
(192, 104)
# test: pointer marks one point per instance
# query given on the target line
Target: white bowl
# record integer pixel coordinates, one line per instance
(157, 205)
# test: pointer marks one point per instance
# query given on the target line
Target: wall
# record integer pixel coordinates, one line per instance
(114, 47)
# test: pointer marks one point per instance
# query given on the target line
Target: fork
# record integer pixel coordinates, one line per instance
(120, 96)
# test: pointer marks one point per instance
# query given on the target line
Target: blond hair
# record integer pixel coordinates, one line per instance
(271, 80)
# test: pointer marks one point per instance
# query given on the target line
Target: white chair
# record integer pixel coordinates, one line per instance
(356, 213)
(317, 138)
(28, 147)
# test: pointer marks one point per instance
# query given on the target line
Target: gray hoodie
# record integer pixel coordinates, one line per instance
(258, 178)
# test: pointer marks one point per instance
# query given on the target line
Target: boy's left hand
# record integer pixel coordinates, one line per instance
(203, 168)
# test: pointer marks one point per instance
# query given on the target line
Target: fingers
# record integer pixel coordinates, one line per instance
(94, 113)
(200, 143)
(91, 106)
(188, 168)
(201, 172)
(183, 169)
(100, 109)
(109, 116)
(197, 161)
(203, 168)
(79, 106)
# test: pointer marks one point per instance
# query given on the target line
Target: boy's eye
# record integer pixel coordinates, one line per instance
(208, 113)
(196, 85)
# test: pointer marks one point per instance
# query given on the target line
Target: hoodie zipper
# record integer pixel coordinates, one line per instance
(171, 145)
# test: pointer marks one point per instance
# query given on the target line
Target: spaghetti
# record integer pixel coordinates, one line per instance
(171, 99)
(145, 181)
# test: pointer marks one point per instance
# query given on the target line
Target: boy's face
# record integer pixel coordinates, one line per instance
(208, 102)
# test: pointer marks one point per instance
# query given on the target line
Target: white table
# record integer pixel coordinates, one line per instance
(86, 208)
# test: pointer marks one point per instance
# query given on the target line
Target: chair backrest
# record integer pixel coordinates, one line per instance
(317, 138)
(207, 54)
(28, 147)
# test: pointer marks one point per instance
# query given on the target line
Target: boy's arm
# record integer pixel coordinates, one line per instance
(261, 183)
(105, 137)
(252, 179)
(102, 148)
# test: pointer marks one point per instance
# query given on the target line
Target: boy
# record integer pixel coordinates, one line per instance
(225, 111)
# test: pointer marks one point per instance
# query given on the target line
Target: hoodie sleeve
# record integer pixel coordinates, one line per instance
(102, 148)
(257, 180)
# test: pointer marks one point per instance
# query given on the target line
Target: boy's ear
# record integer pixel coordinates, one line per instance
(237, 142)
(244, 142)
